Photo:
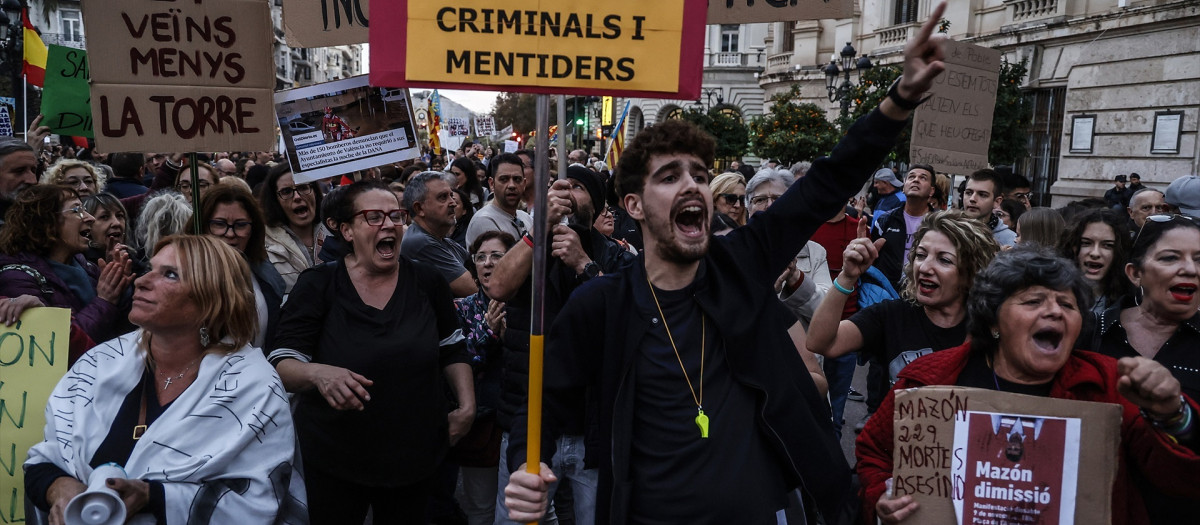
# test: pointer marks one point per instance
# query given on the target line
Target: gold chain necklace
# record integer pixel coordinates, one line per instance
(701, 418)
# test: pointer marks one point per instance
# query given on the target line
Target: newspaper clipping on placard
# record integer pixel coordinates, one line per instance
(1019, 468)
(339, 127)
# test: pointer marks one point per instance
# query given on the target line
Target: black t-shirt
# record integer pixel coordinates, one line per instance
(898, 332)
(401, 435)
(679, 477)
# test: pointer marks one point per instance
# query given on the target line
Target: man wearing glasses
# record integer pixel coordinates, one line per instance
(506, 178)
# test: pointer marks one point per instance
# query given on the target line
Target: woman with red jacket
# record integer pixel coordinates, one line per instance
(1025, 312)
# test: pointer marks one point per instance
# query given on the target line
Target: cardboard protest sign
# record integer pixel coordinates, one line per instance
(952, 130)
(457, 127)
(576, 47)
(511, 146)
(485, 127)
(66, 98)
(321, 23)
(33, 357)
(747, 11)
(338, 127)
(6, 129)
(181, 76)
(974, 456)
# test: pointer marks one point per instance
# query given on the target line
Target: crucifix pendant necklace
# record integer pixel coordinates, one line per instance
(167, 382)
(701, 418)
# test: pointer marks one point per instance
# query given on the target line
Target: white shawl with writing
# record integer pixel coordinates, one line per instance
(223, 450)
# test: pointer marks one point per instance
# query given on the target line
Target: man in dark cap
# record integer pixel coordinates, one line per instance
(1118, 196)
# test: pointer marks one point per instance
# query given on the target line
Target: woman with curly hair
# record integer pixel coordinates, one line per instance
(41, 254)
(949, 249)
(84, 178)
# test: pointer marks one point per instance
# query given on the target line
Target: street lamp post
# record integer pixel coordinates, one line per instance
(841, 92)
(707, 95)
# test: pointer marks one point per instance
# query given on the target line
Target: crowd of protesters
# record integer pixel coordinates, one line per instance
(357, 348)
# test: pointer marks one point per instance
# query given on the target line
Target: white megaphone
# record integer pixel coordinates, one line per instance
(98, 505)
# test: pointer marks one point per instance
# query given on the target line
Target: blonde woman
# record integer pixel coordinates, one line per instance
(729, 196)
(82, 177)
(209, 413)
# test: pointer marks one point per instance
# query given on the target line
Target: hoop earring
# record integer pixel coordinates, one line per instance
(1137, 297)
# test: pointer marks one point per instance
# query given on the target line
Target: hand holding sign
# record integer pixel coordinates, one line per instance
(894, 510)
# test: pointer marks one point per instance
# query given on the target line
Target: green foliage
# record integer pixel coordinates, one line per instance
(1013, 116)
(730, 133)
(793, 131)
(868, 94)
(520, 110)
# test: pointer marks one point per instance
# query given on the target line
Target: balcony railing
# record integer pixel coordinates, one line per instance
(729, 59)
(895, 35)
(780, 60)
(1023, 10)
(61, 39)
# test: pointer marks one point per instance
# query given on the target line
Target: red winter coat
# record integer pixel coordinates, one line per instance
(1086, 376)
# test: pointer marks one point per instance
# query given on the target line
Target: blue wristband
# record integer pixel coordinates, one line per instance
(840, 289)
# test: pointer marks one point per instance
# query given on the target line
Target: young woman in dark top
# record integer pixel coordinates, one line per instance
(948, 250)
(365, 343)
(1099, 245)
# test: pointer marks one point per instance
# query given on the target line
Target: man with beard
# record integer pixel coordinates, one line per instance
(17, 171)
(506, 177)
(706, 411)
(578, 254)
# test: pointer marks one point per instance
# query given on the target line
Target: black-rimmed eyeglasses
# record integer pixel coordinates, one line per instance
(288, 192)
(222, 227)
(376, 217)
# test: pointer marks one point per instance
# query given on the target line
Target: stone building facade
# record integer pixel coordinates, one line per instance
(1124, 64)
(734, 55)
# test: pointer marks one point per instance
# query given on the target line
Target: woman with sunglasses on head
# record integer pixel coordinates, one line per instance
(294, 232)
(45, 234)
(369, 344)
(729, 196)
(231, 214)
(1160, 322)
(1098, 244)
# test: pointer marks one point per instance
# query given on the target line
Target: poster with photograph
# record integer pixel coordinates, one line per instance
(984, 457)
(339, 127)
(1017, 468)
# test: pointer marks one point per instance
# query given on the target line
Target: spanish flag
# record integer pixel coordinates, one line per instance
(34, 66)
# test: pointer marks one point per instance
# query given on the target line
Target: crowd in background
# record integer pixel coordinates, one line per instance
(393, 302)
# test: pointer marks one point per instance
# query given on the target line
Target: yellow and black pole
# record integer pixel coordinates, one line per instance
(541, 179)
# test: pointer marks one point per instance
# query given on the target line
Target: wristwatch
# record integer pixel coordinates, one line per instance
(590, 270)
